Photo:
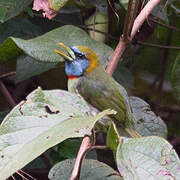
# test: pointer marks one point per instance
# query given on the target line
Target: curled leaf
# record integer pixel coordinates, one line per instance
(45, 7)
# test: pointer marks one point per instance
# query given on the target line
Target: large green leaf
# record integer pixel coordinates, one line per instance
(27, 67)
(146, 122)
(45, 119)
(91, 170)
(147, 158)
(9, 50)
(18, 27)
(11, 8)
(113, 137)
(175, 77)
(43, 47)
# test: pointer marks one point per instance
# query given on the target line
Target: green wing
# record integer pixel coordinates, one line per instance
(103, 92)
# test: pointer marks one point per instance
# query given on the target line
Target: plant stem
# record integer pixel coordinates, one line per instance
(85, 146)
(143, 15)
(123, 43)
(126, 29)
(158, 45)
(6, 94)
(165, 25)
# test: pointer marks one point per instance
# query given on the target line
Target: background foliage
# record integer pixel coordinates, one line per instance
(148, 69)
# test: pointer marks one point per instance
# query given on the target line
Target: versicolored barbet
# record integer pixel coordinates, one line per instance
(88, 77)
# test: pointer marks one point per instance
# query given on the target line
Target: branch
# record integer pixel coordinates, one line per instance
(145, 12)
(6, 94)
(165, 25)
(127, 22)
(7, 74)
(138, 42)
(158, 45)
(85, 146)
(122, 45)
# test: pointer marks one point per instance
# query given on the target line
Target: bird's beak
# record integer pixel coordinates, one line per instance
(70, 56)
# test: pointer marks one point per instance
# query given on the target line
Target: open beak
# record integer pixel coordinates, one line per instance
(70, 56)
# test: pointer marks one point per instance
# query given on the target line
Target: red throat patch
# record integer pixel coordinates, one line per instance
(72, 77)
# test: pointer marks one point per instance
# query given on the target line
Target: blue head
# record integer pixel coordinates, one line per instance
(78, 60)
(79, 65)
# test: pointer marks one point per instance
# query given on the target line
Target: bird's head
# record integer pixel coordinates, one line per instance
(79, 60)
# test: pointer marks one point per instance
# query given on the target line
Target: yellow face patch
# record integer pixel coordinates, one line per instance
(91, 56)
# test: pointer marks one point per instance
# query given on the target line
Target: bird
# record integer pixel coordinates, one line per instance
(88, 78)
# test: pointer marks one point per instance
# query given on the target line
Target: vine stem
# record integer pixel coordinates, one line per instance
(85, 146)
(123, 43)
(143, 15)
(6, 94)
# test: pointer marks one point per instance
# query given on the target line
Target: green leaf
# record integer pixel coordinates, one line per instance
(27, 67)
(45, 119)
(147, 158)
(57, 4)
(146, 122)
(175, 77)
(91, 170)
(2, 115)
(18, 27)
(43, 47)
(112, 138)
(9, 50)
(69, 148)
(11, 8)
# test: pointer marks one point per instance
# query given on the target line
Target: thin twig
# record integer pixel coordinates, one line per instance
(138, 42)
(99, 147)
(96, 23)
(7, 74)
(165, 25)
(134, 14)
(113, 37)
(158, 45)
(23, 172)
(13, 177)
(46, 160)
(6, 94)
(85, 146)
(126, 29)
(24, 178)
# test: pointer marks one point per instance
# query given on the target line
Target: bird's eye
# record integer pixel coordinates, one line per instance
(80, 55)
